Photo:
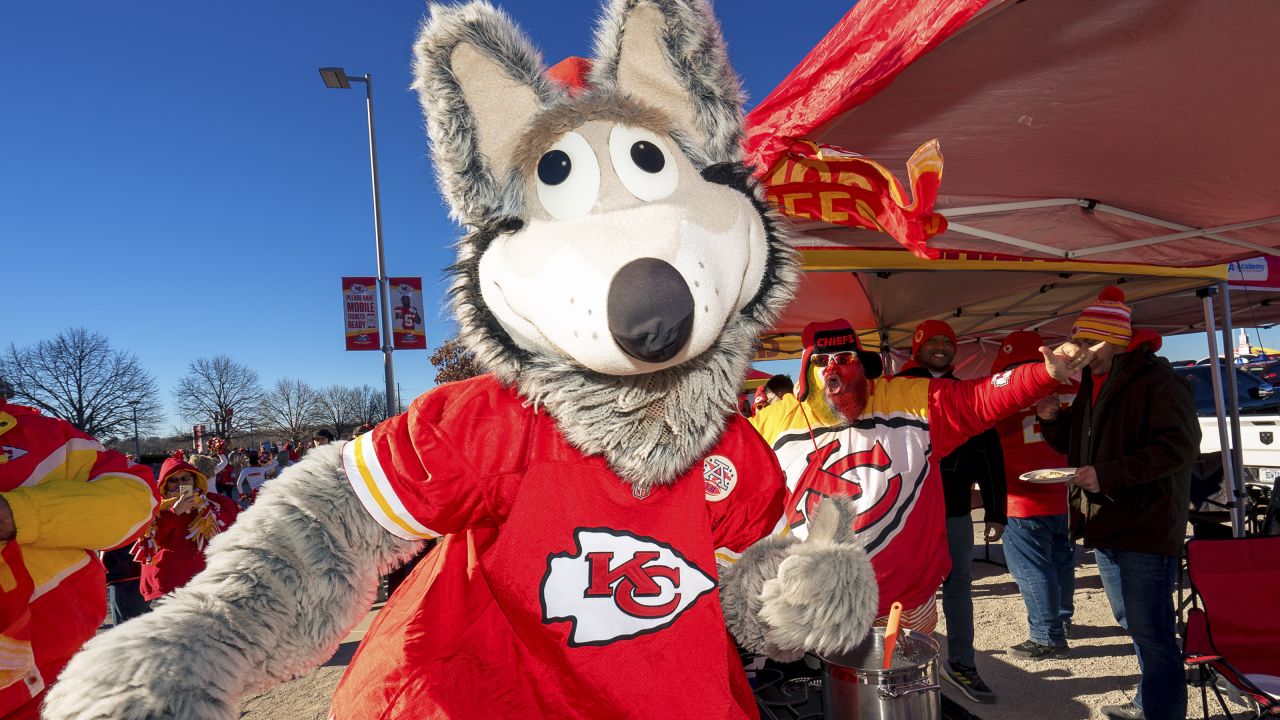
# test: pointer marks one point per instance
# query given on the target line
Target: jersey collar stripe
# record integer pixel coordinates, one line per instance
(359, 461)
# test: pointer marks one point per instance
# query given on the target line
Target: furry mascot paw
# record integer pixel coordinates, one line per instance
(784, 597)
(282, 587)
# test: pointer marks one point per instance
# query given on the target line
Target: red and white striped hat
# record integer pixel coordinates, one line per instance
(1108, 319)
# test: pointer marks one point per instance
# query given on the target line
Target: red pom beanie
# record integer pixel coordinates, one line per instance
(928, 329)
(1108, 319)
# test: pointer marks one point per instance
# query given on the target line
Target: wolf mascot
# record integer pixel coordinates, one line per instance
(601, 506)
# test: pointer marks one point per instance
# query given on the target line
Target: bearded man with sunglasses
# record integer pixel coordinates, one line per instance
(849, 431)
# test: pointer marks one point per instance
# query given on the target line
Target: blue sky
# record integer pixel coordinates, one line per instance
(177, 177)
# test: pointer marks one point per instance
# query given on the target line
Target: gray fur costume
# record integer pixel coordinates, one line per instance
(645, 379)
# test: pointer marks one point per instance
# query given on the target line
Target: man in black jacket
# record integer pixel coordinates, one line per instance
(933, 347)
(1133, 434)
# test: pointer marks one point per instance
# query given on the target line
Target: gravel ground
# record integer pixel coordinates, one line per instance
(1101, 670)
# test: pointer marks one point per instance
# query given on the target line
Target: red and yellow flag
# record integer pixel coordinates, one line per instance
(824, 182)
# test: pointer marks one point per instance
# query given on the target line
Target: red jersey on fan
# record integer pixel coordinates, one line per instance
(1022, 444)
(1025, 450)
(555, 580)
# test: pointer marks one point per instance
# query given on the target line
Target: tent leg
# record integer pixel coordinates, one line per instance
(1215, 372)
(1238, 495)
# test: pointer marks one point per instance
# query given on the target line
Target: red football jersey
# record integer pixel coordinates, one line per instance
(1025, 450)
(557, 591)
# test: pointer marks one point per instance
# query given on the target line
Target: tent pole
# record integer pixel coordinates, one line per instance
(1238, 495)
(1215, 373)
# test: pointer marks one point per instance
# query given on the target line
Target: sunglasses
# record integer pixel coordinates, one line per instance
(840, 358)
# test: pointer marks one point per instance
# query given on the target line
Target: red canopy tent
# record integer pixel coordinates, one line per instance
(1133, 131)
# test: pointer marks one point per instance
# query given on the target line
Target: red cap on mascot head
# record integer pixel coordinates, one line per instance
(571, 73)
(1018, 347)
(833, 336)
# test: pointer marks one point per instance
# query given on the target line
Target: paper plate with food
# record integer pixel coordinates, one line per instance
(1052, 475)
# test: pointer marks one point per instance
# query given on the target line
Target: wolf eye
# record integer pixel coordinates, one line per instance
(568, 178)
(554, 167)
(642, 162)
(647, 157)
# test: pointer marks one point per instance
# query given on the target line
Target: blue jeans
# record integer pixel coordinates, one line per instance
(957, 591)
(1039, 553)
(124, 601)
(1140, 589)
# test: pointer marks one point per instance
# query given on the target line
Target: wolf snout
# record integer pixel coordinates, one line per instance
(650, 310)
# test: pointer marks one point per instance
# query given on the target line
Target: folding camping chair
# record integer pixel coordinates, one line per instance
(1233, 625)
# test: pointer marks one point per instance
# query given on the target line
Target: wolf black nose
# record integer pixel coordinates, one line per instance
(650, 310)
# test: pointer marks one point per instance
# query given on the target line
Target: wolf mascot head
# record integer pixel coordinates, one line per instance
(620, 264)
(617, 267)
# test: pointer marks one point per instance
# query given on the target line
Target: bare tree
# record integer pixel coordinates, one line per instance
(220, 392)
(453, 362)
(78, 377)
(290, 408)
(373, 404)
(340, 408)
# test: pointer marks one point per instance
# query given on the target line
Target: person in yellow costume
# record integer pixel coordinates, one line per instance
(850, 431)
(63, 496)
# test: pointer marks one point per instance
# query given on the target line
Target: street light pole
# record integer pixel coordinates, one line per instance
(339, 79)
(137, 453)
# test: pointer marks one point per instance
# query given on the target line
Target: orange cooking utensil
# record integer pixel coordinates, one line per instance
(891, 633)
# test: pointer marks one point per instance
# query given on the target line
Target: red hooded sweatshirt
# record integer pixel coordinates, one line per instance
(176, 557)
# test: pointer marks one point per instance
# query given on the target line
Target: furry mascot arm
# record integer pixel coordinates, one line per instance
(784, 597)
(283, 586)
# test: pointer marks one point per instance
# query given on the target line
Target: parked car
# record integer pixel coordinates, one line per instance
(1239, 359)
(1259, 427)
(1267, 372)
(1256, 395)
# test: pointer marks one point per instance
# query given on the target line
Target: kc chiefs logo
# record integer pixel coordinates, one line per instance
(880, 495)
(618, 585)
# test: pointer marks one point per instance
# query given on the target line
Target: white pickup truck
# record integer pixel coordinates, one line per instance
(1259, 421)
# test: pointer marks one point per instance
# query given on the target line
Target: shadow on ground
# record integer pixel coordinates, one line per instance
(342, 657)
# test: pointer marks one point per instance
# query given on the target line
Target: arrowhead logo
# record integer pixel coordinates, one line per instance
(12, 453)
(618, 585)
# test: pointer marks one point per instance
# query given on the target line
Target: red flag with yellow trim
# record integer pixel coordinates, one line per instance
(824, 182)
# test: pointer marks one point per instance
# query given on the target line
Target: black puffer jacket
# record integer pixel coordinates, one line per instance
(978, 460)
(1142, 437)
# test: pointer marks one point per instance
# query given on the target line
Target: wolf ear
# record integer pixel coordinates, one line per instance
(670, 54)
(480, 82)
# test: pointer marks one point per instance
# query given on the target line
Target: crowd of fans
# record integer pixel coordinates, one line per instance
(1125, 436)
(1126, 497)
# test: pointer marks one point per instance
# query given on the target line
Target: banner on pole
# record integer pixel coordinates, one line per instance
(360, 313)
(408, 332)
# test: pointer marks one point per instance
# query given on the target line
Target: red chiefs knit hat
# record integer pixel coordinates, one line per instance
(1018, 347)
(760, 399)
(829, 337)
(1107, 319)
(928, 329)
